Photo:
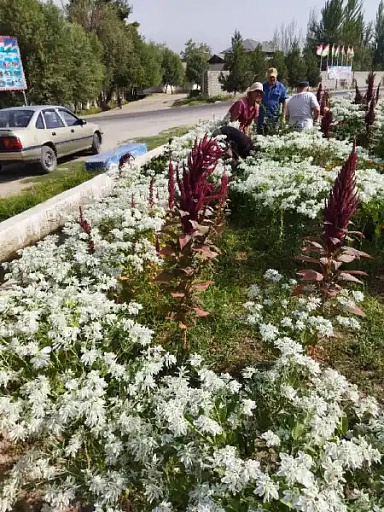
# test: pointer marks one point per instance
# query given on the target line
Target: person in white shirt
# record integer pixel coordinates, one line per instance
(303, 109)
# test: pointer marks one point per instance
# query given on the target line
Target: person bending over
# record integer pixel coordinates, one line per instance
(303, 109)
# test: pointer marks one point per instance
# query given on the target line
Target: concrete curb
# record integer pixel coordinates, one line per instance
(34, 224)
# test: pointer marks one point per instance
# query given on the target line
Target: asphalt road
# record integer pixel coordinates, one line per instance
(130, 125)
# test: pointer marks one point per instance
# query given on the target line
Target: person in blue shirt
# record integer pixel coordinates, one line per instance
(275, 94)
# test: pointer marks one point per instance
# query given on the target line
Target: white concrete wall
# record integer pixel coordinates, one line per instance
(212, 86)
(34, 224)
(359, 76)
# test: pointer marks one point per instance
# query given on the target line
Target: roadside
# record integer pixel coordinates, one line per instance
(203, 100)
(38, 189)
(150, 103)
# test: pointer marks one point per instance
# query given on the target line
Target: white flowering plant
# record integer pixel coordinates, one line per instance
(98, 414)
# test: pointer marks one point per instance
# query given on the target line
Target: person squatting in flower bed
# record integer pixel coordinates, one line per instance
(239, 144)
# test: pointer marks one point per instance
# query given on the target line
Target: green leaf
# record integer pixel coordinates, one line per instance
(297, 431)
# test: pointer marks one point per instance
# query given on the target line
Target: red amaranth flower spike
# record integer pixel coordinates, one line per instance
(319, 92)
(326, 123)
(378, 94)
(371, 115)
(324, 105)
(370, 88)
(196, 192)
(86, 227)
(341, 204)
(358, 97)
(171, 186)
(151, 198)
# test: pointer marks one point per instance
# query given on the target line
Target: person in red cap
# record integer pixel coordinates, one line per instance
(246, 110)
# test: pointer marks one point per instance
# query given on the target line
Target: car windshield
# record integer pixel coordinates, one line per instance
(15, 118)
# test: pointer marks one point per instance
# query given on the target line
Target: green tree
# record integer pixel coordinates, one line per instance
(172, 68)
(330, 26)
(237, 63)
(312, 69)
(85, 72)
(296, 66)
(196, 56)
(258, 64)
(278, 62)
(151, 56)
(378, 55)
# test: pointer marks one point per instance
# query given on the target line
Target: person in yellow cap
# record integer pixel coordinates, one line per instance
(246, 110)
(275, 94)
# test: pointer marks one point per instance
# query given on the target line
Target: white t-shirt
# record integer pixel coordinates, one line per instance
(299, 109)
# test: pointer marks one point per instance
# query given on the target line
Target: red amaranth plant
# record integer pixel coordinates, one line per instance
(325, 103)
(86, 227)
(371, 115)
(371, 85)
(151, 192)
(326, 123)
(319, 92)
(358, 96)
(330, 254)
(192, 217)
(378, 94)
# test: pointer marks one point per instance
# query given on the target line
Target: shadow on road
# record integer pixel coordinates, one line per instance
(16, 172)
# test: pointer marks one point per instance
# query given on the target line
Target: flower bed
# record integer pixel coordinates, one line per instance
(104, 407)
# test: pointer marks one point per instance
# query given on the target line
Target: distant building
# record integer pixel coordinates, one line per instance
(212, 86)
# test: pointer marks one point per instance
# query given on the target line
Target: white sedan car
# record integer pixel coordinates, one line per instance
(42, 134)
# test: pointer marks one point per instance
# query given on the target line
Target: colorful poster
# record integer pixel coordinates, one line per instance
(11, 68)
(339, 72)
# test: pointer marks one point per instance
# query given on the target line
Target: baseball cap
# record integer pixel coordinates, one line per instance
(256, 86)
(272, 72)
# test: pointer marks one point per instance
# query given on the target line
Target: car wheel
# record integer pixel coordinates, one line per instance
(48, 159)
(96, 144)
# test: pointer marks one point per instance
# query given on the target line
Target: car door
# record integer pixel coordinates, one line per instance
(57, 132)
(81, 132)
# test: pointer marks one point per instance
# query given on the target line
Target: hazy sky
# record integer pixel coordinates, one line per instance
(214, 21)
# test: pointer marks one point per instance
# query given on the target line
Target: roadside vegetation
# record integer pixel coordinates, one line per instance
(163, 137)
(201, 100)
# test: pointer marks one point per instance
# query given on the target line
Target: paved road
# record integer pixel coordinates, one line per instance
(125, 126)
(121, 126)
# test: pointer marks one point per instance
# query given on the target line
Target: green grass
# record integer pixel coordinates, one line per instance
(162, 137)
(90, 111)
(201, 100)
(44, 187)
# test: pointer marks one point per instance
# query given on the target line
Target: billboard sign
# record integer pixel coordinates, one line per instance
(11, 68)
(339, 72)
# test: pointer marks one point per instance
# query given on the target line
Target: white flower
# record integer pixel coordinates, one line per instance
(270, 438)
(268, 332)
(248, 406)
(273, 276)
(208, 426)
